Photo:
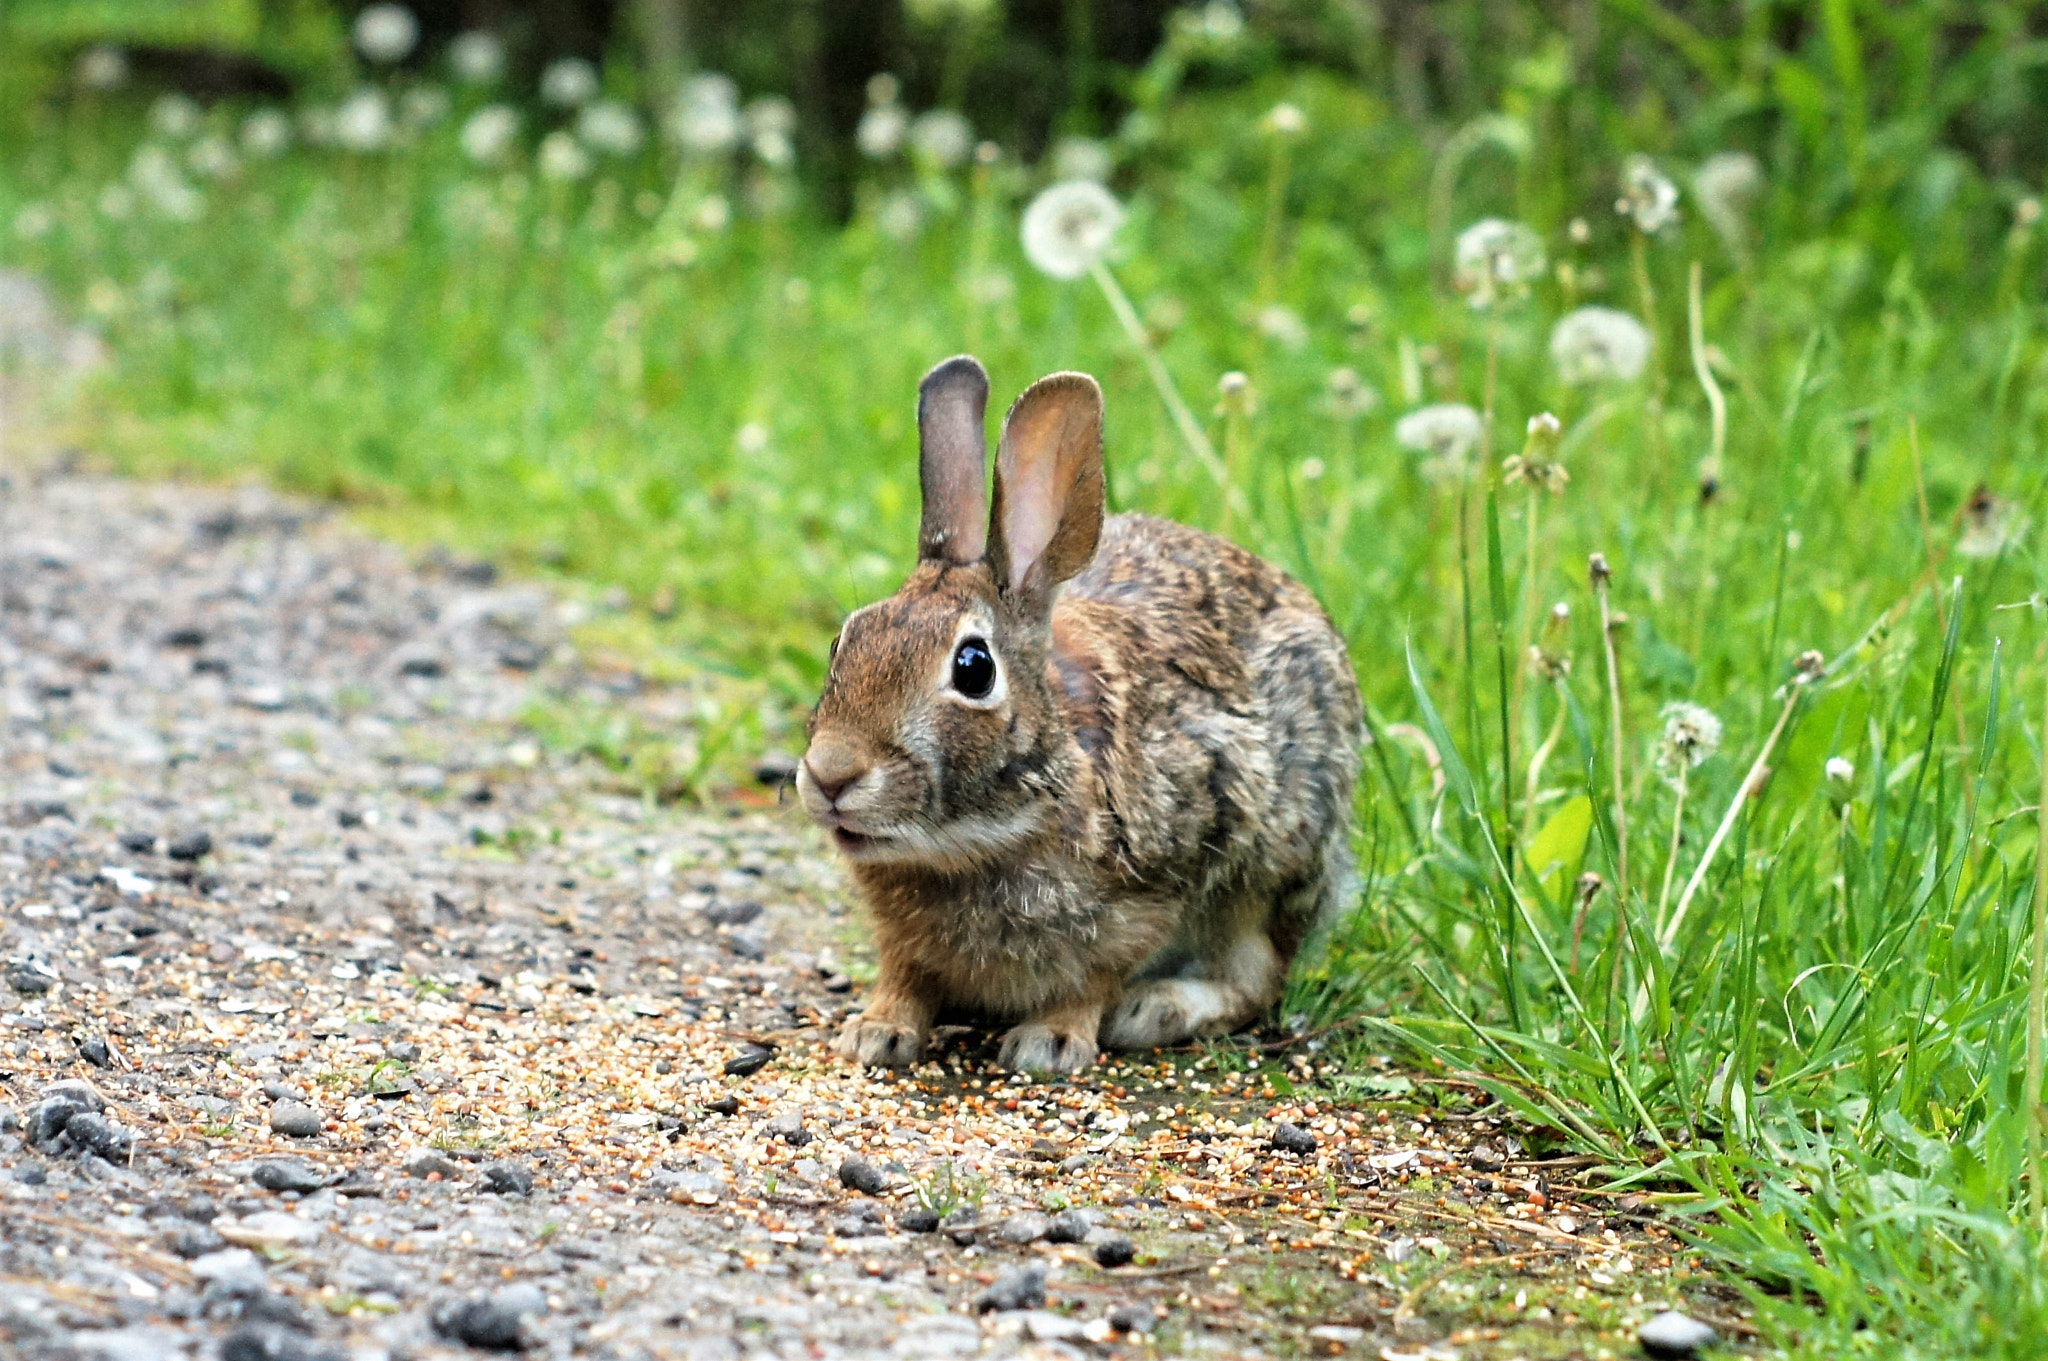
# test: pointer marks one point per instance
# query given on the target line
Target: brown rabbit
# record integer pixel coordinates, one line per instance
(1093, 776)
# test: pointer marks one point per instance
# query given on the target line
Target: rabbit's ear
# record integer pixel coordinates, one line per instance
(952, 462)
(1048, 510)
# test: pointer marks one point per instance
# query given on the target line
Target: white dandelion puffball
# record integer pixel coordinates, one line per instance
(1347, 396)
(386, 34)
(707, 115)
(102, 67)
(1598, 345)
(424, 106)
(212, 158)
(1840, 769)
(1447, 431)
(1497, 259)
(1082, 158)
(363, 122)
(562, 158)
(1283, 324)
(881, 131)
(35, 221)
(942, 137)
(1648, 197)
(1691, 734)
(1069, 226)
(610, 128)
(489, 133)
(266, 134)
(163, 185)
(771, 127)
(1726, 183)
(477, 58)
(568, 82)
(175, 116)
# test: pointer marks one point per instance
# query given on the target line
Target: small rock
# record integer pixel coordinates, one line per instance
(195, 1240)
(1026, 1226)
(918, 1219)
(789, 1127)
(1078, 1163)
(1018, 1287)
(191, 846)
(405, 1051)
(422, 664)
(962, 1225)
(1068, 1226)
(1041, 1325)
(495, 1321)
(856, 1226)
(93, 1049)
(507, 1177)
(274, 1341)
(521, 654)
(774, 769)
(1132, 1318)
(94, 1133)
(1292, 1138)
(288, 1174)
(1400, 1250)
(1672, 1336)
(424, 780)
(137, 842)
(185, 637)
(267, 1229)
(750, 1060)
(280, 1091)
(838, 982)
(733, 914)
(858, 1174)
(31, 980)
(304, 798)
(295, 1119)
(724, 1105)
(1337, 1337)
(233, 1271)
(751, 943)
(348, 817)
(263, 698)
(1115, 1250)
(426, 1162)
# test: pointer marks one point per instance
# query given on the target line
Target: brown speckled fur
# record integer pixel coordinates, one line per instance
(1154, 811)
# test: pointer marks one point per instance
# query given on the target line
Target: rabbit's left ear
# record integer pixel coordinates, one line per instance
(952, 462)
(1049, 492)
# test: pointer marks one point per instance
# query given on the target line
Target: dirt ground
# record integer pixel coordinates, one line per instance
(341, 1016)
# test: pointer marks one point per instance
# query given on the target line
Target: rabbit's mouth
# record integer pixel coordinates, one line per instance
(850, 841)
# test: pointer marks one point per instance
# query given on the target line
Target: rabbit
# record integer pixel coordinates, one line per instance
(1092, 776)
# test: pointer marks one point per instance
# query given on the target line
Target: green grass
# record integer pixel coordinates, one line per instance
(1828, 1052)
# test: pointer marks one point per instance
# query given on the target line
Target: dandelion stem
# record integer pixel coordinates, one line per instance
(2037, 1006)
(1528, 603)
(1639, 258)
(1492, 390)
(1600, 575)
(1677, 832)
(1710, 471)
(1751, 783)
(1191, 432)
(1537, 760)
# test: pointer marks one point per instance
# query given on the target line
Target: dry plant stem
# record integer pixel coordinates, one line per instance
(1751, 782)
(1710, 471)
(1614, 716)
(1677, 830)
(2037, 1006)
(1537, 760)
(1528, 603)
(1191, 431)
(1233, 461)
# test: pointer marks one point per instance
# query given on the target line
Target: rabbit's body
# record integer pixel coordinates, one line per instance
(1142, 817)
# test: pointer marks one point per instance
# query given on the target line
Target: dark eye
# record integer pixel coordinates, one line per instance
(974, 669)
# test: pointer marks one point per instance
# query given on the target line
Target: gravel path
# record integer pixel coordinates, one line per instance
(340, 1018)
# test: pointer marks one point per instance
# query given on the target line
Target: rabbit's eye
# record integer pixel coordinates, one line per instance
(974, 669)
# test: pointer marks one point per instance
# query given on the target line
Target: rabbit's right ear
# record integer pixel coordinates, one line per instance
(952, 462)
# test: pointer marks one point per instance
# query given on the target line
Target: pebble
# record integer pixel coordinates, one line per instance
(404, 1051)
(789, 1127)
(274, 1342)
(1017, 1287)
(1041, 1325)
(1292, 1138)
(267, 1229)
(507, 1177)
(750, 1060)
(192, 845)
(1026, 1226)
(295, 1119)
(288, 1174)
(962, 1225)
(732, 914)
(1672, 1336)
(94, 1133)
(1132, 1318)
(1337, 1336)
(195, 1240)
(1115, 1250)
(426, 1162)
(495, 1321)
(93, 1049)
(135, 841)
(858, 1174)
(235, 1271)
(918, 1219)
(724, 1105)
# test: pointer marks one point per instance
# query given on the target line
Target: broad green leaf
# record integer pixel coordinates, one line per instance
(1554, 852)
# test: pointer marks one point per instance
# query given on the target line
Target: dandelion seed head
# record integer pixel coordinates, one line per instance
(1648, 197)
(751, 438)
(900, 216)
(363, 122)
(1580, 231)
(942, 137)
(713, 214)
(385, 34)
(1692, 733)
(161, 184)
(1991, 525)
(1284, 325)
(1312, 469)
(568, 82)
(102, 67)
(476, 57)
(1082, 158)
(489, 133)
(1597, 345)
(266, 134)
(881, 130)
(1841, 770)
(1069, 226)
(175, 116)
(212, 158)
(610, 128)
(706, 118)
(1347, 396)
(562, 158)
(771, 129)
(1446, 434)
(1496, 261)
(1285, 120)
(1235, 396)
(424, 106)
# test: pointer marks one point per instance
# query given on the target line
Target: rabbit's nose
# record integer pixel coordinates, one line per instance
(833, 767)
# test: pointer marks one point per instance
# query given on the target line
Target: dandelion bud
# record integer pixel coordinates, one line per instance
(1235, 397)
(102, 67)
(1809, 666)
(1840, 770)
(1589, 887)
(942, 137)
(1598, 570)
(1538, 462)
(1580, 231)
(1285, 120)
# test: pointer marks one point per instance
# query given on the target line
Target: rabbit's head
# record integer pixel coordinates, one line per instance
(937, 742)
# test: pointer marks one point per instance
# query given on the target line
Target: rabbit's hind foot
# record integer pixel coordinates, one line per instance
(1165, 1011)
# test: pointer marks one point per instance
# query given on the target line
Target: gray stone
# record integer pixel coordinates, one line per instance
(1132, 1318)
(94, 1133)
(295, 1119)
(1115, 1250)
(426, 1162)
(288, 1174)
(1017, 1287)
(193, 845)
(1672, 1336)
(1026, 1226)
(273, 1341)
(858, 1174)
(1068, 1226)
(507, 1177)
(495, 1321)
(1292, 1138)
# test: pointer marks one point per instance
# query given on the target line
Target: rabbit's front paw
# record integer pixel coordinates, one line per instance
(1035, 1047)
(873, 1041)
(1163, 1012)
